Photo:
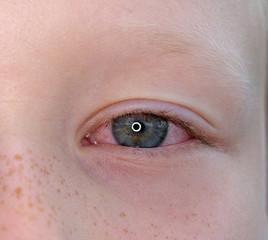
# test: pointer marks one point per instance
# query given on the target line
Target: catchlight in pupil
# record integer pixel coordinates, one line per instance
(139, 130)
(136, 127)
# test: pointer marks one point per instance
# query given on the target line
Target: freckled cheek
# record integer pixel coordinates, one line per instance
(9, 222)
(199, 199)
(14, 221)
(184, 199)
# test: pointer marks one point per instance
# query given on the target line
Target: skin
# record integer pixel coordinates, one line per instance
(63, 63)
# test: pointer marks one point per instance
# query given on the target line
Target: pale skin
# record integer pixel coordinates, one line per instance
(67, 65)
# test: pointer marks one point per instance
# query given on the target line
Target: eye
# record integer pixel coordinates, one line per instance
(139, 136)
(139, 130)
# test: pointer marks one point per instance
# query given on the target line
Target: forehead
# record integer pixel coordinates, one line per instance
(89, 15)
(51, 27)
(209, 19)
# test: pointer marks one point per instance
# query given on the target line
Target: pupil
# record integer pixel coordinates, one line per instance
(136, 126)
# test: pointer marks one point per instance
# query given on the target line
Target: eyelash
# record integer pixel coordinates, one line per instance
(166, 114)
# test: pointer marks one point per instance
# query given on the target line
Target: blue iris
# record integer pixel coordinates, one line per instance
(139, 130)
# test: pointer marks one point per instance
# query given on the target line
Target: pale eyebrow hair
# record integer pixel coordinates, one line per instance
(186, 44)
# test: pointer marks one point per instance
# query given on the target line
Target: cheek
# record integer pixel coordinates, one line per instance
(27, 189)
(188, 202)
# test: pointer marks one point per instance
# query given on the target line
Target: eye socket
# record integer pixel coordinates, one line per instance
(140, 130)
(190, 139)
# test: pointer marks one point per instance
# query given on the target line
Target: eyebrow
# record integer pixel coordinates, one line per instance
(179, 43)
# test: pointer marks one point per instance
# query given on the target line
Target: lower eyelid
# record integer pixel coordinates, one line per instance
(112, 163)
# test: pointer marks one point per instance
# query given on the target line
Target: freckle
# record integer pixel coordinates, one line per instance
(10, 172)
(44, 170)
(58, 190)
(155, 235)
(3, 228)
(18, 192)
(208, 225)
(39, 182)
(38, 199)
(48, 223)
(95, 224)
(4, 188)
(32, 217)
(18, 157)
(76, 192)
(106, 233)
(8, 162)
(106, 222)
(194, 214)
(30, 204)
(122, 214)
(152, 225)
(41, 209)
(125, 231)
(29, 150)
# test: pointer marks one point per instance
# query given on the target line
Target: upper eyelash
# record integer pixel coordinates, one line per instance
(167, 115)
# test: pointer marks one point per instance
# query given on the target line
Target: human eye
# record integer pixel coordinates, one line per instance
(140, 137)
(142, 129)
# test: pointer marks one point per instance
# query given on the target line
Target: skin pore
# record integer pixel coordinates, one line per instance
(66, 66)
